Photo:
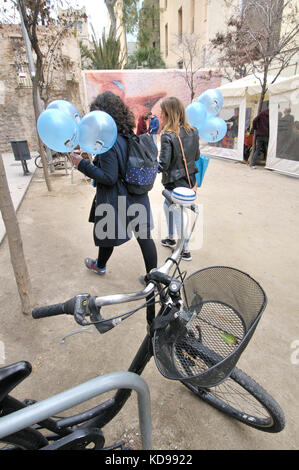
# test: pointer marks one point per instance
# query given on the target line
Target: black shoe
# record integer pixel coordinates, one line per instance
(168, 242)
(186, 255)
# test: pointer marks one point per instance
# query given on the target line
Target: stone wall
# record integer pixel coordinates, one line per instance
(17, 120)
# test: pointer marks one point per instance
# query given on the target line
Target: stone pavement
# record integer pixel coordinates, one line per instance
(17, 181)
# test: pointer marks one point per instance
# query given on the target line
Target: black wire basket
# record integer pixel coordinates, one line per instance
(222, 309)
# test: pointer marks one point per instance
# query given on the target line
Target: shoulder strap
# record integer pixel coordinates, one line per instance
(144, 148)
(184, 159)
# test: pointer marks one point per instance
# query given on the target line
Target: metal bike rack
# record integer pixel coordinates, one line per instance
(74, 396)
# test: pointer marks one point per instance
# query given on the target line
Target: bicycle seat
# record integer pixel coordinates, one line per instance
(12, 375)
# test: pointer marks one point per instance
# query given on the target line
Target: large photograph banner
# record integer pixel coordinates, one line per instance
(143, 90)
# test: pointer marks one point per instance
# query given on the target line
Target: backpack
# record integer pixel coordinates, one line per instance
(142, 164)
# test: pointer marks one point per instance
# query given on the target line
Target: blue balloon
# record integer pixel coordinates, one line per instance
(213, 130)
(212, 99)
(66, 107)
(57, 130)
(97, 132)
(196, 114)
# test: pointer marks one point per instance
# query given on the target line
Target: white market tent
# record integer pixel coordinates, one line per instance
(284, 158)
(244, 95)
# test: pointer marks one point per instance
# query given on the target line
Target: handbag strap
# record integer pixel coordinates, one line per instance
(185, 161)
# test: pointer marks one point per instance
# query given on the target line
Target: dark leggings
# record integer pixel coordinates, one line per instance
(148, 249)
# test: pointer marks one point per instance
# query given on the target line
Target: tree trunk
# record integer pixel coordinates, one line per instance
(37, 111)
(192, 87)
(259, 108)
(15, 243)
(31, 40)
(110, 7)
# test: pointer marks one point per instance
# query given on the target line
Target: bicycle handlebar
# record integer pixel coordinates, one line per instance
(48, 311)
(167, 195)
(56, 309)
(80, 306)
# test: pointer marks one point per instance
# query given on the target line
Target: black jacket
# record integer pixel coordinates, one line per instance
(171, 161)
(112, 228)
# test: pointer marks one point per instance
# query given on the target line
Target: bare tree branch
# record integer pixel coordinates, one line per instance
(188, 49)
(261, 38)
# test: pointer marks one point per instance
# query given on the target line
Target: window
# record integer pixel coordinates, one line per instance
(180, 63)
(205, 10)
(288, 130)
(24, 79)
(166, 40)
(180, 24)
(192, 13)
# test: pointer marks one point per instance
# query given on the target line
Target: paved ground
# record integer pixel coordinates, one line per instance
(250, 221)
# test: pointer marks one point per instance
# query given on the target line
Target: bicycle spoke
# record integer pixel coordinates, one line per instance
(238, 398)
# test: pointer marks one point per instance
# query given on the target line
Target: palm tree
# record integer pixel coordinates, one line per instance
(105, 53)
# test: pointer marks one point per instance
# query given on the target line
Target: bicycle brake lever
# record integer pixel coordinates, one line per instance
(74, 332)
(99, 322)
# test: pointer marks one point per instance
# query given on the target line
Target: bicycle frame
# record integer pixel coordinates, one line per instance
(104, 413)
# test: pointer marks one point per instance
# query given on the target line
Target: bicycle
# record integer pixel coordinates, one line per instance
(60, 161)
(203, 325)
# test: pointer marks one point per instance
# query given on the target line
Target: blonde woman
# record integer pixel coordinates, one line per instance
(176, 131)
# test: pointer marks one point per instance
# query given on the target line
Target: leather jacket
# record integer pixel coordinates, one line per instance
(171, 162)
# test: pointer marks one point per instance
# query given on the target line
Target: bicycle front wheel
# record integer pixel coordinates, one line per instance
(243, 399)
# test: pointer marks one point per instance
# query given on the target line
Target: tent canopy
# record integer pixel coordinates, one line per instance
(283, 85)
(249, 84)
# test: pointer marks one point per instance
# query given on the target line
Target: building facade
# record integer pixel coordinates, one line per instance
(150, 23)
(201, 18)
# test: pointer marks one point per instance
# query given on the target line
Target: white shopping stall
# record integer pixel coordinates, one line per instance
(283, 149)
(241, 99)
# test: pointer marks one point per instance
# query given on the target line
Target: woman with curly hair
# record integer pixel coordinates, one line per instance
(112, 212)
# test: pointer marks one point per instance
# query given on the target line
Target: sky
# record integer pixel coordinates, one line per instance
(97, 14)
(96, 11)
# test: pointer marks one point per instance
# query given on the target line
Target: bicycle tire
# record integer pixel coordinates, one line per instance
(26, 439)
(38, 162)
(268, 416)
